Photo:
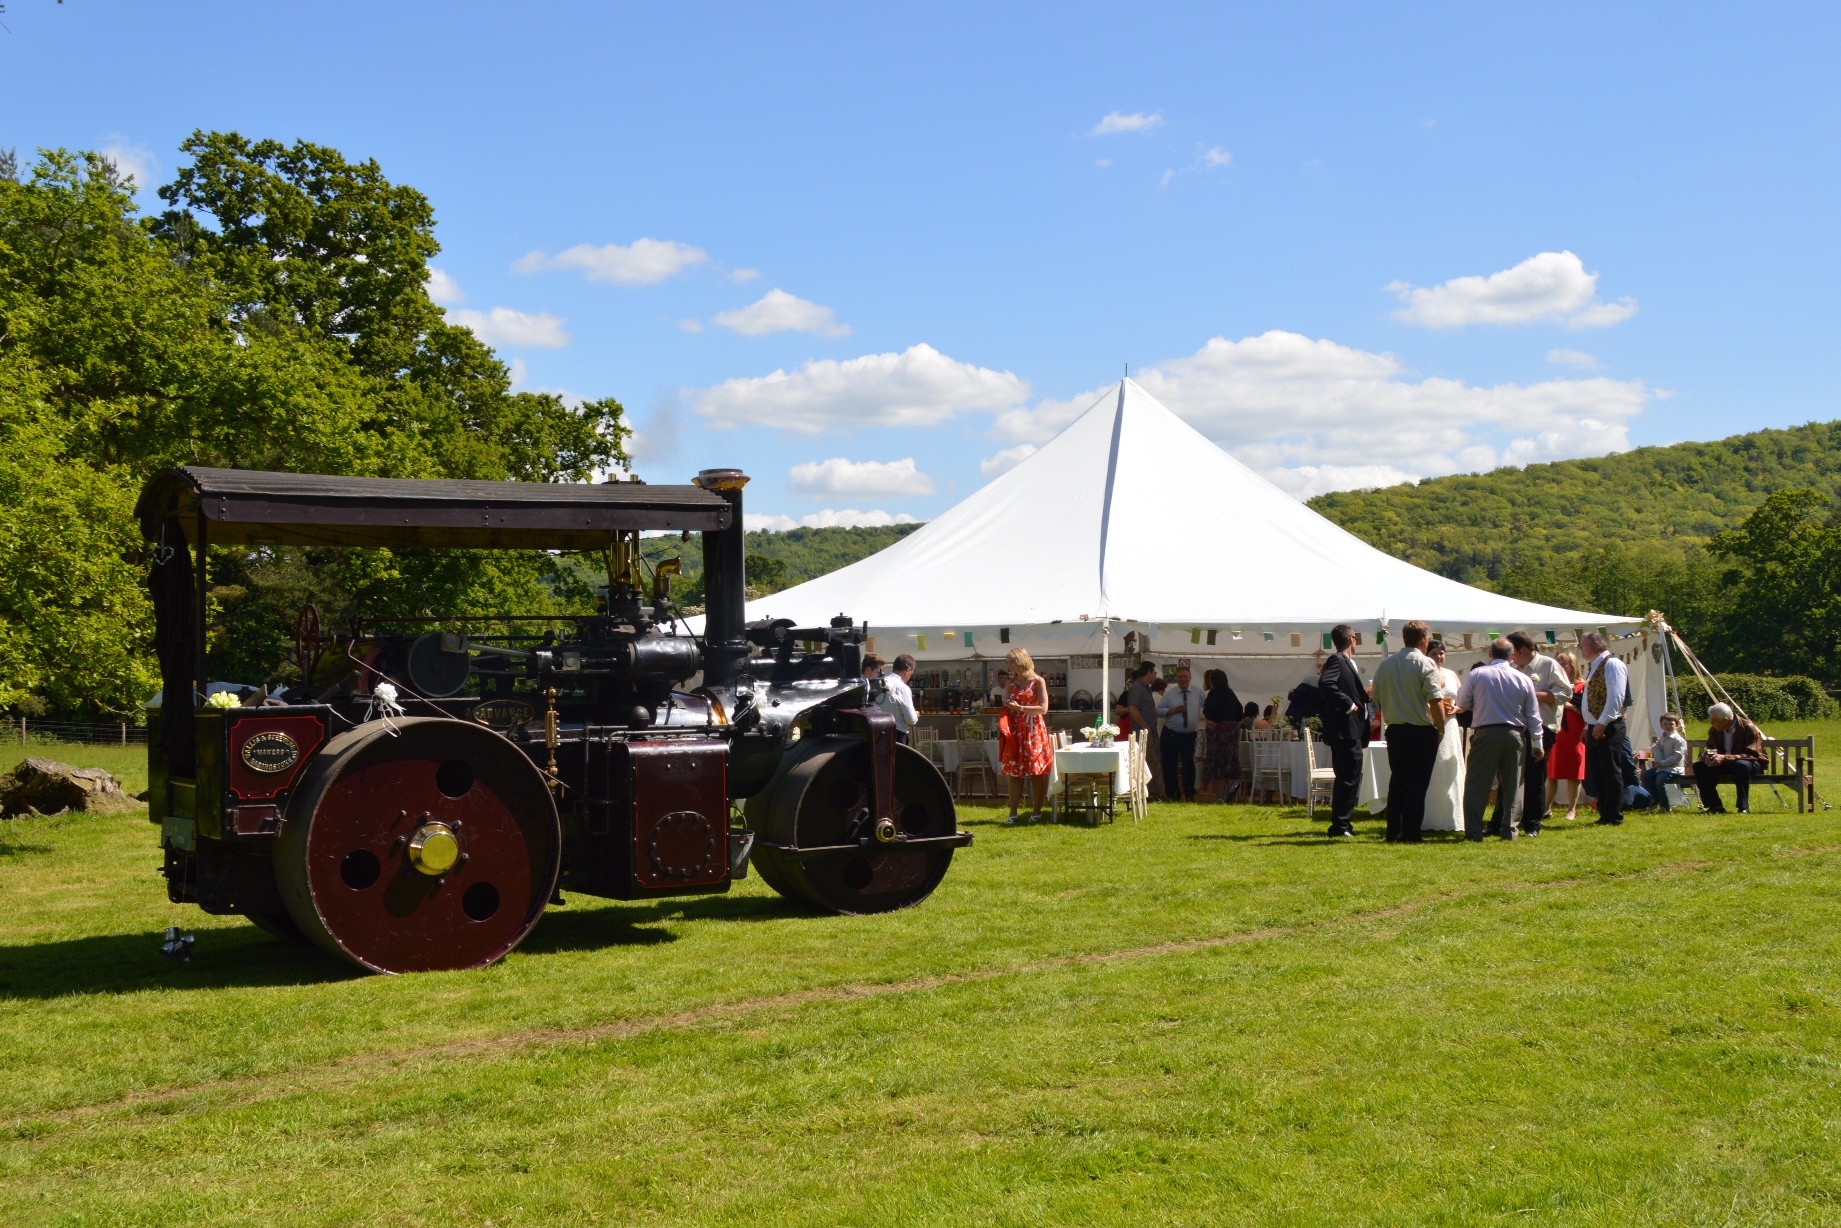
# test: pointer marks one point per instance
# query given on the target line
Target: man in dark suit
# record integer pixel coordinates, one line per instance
(1345, 726)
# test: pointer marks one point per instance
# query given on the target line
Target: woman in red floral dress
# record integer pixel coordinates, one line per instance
(1023, 747)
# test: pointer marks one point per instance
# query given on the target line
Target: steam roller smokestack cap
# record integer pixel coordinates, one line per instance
(722, 479)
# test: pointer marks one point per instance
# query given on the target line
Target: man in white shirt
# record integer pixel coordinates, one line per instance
(891, 693)
(1182, 716)
(1610, 766)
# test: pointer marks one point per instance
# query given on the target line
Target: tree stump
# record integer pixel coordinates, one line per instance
(45, 786)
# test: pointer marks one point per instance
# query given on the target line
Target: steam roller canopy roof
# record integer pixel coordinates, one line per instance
(252, 507)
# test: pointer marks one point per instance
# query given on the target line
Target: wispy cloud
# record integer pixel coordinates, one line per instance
(133, 161)
(780, 312)
(917, 387)
(643, 262)
(443, 288)
(1577, 359)
(517, 329)
(1124, 121)
(840, 476)
(1552, 286)
(830, 518)
(1006, 460)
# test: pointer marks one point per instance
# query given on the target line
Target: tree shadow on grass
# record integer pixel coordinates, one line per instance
(233, 957)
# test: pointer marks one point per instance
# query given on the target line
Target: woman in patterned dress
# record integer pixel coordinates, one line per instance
(1220, 735)
(1023, 747)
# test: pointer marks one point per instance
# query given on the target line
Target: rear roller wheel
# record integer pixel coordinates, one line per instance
(419, 845)
(814, 803)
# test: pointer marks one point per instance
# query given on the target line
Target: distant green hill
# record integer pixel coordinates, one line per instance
(1479, 527)
(781, 560)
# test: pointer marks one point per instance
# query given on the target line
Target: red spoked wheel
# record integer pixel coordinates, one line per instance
(419, 845)
(812, 805)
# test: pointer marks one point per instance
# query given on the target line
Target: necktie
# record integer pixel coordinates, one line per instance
(1185, 695)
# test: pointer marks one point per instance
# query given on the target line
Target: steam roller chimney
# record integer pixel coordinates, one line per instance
(725, 582)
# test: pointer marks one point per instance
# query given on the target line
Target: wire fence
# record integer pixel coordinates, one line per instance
(19, 731)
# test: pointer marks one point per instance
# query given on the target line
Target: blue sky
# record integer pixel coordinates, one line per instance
(874, 256)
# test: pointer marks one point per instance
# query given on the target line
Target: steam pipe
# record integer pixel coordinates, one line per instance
(725, 582)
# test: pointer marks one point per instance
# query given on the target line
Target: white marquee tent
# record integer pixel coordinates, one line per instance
(1133, 522)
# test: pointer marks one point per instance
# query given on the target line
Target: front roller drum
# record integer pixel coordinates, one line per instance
(812, 844)
(419, 845)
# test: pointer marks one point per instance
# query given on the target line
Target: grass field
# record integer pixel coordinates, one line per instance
(1215, 1016)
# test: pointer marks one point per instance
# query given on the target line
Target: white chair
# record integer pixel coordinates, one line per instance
(1139, 774)
(1322, 778)
(1270, 771)
(927, 742)
(973, 771)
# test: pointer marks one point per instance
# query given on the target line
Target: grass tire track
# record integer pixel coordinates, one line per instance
(355, 1068)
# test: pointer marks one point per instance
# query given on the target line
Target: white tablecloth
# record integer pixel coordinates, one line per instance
(1375, 772)
(1376, 776)
(1094, 760)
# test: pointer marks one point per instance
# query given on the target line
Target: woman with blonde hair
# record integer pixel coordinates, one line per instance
(1023, 746)
(1566, 761)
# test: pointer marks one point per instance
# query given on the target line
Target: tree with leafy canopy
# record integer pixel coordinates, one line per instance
(274, 316)
(1783, 590)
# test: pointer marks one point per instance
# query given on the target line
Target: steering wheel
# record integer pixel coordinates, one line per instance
(307, 640)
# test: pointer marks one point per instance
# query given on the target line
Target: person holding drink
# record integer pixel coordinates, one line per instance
(1023, 747)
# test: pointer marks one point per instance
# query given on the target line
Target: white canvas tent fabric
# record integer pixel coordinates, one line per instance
(1132, 518)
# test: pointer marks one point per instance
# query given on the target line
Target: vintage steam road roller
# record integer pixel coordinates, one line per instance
(424, 788)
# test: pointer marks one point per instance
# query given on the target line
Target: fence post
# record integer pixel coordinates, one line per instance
(124, 733)
(22, 731)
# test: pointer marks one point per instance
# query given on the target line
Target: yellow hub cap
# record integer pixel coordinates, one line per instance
(434, 848)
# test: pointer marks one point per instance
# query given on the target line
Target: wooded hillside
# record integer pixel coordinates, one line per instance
(1477, 527)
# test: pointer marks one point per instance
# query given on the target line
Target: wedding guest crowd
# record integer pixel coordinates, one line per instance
(1542, 729)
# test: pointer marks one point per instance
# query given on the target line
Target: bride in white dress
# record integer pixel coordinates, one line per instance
(1444, 802)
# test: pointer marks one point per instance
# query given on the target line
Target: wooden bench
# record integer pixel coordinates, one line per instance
(1787, 761)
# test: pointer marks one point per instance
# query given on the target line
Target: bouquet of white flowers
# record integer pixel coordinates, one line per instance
(1102, 735)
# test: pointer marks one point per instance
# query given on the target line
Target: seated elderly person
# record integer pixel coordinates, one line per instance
(1735, 752)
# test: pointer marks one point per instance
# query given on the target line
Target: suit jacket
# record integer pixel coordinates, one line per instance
(1341, 684)
(1747, 741)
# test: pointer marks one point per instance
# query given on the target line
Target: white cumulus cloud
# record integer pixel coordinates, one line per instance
(830, 518)
(840, 476)
(1006, 460)
(1314, 415)
(1577, 359)
(1552, 286)
(1133, 121)
(643, 262)
(1214, 156)
(917, 387)
(740, 276)
(443, 288)
(780, 312)
(518, 329)
(134, 161)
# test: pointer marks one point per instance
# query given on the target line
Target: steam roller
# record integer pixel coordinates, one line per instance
(421, 790)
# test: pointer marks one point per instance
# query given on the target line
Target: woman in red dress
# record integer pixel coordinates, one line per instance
(1566, 762)
(1023, 748)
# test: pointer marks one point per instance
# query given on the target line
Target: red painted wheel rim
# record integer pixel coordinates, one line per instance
(350, 863)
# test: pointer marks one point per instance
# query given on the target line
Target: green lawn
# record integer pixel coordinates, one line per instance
(1215, 1016)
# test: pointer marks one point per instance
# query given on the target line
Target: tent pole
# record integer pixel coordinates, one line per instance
(1105, 672)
